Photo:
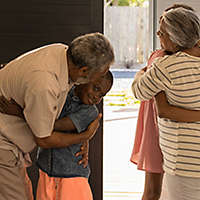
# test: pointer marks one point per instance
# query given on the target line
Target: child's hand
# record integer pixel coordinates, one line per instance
(92, 128)
(10, 107)
(84, 153)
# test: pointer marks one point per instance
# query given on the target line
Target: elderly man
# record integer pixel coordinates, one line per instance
(39, 82)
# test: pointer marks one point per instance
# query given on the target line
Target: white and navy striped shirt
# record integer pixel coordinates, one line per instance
(179, 76)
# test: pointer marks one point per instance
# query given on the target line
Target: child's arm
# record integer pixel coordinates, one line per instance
(10, 107)
(165, 110)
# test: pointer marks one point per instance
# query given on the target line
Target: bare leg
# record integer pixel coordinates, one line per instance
(153, 186)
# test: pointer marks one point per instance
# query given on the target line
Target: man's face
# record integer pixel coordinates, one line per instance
(88, 77)
(82, 80)
(94, 76)
(93, 92)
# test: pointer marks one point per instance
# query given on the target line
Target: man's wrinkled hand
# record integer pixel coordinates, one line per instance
(92, 128)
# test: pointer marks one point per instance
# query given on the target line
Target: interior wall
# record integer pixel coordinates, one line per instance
(28, 24)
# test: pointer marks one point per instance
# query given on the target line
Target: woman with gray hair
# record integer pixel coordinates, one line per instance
(178, 75)
(182, 27)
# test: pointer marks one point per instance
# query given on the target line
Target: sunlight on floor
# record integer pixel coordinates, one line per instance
(122, 180)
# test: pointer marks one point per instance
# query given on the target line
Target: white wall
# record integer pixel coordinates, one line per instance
(161, 5)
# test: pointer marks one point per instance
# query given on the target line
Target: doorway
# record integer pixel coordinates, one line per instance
(126, 24)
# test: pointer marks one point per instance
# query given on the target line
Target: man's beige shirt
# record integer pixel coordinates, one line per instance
(38, 82)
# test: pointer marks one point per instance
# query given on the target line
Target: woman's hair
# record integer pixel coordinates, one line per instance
(183, 27)
(179, 5)
(92, 50)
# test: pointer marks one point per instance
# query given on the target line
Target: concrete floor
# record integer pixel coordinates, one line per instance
(122, 181)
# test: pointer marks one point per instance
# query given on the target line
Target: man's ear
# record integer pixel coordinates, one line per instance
(83, 71)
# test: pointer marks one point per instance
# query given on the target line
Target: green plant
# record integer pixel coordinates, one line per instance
(138, 3)
(123, 3)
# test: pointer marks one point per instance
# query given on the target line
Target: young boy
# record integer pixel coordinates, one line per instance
(61, 175)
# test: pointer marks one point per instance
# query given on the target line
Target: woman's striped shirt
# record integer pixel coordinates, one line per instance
(179, 76)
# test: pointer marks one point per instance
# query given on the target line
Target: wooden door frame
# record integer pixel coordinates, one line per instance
(13, 45)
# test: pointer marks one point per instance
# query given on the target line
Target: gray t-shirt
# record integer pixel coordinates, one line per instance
(62, 162)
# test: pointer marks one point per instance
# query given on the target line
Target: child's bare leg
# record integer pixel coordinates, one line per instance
(153, 186)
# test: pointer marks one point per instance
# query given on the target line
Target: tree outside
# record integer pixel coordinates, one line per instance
(137, 3)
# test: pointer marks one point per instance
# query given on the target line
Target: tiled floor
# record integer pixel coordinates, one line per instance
(122, 181)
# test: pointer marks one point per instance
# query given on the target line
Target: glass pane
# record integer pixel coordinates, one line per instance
(127, 27)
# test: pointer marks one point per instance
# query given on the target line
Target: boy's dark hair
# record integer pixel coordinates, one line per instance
(109, 76)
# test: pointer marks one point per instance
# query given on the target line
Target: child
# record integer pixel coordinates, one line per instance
(61, 175)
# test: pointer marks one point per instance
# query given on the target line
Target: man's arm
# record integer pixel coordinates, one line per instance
(165, 110)
(57, 139)
(10, 107)
(64, 124)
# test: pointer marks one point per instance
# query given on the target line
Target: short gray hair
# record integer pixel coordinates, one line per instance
(183, 27)
(92, 50)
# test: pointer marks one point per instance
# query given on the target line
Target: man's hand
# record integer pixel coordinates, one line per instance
(84, 153)
(92, 128)
(10, 107)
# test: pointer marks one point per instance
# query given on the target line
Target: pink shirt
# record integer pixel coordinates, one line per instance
(38, 82)
(146, 150)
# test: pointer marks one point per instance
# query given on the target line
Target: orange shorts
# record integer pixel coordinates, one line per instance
(28, 186)
(50, 188)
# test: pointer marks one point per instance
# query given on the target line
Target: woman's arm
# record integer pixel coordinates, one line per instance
(165, 110)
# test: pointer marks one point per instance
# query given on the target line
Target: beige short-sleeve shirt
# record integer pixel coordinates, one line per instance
(38, 81)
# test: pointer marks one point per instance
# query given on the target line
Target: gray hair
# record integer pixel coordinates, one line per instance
(92, 50)
(183, 27)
